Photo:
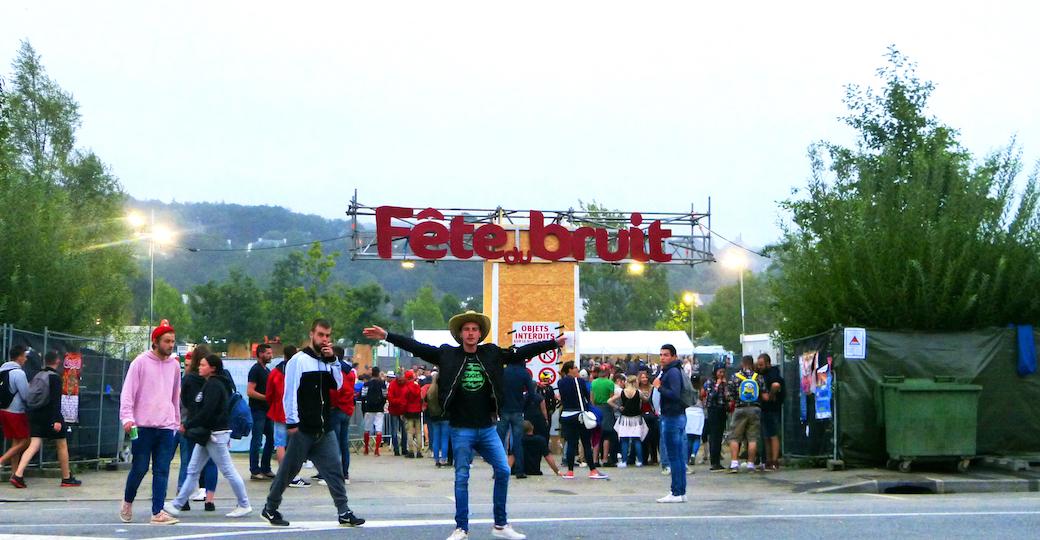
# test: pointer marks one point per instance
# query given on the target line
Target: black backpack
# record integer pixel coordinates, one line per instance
(6, 390)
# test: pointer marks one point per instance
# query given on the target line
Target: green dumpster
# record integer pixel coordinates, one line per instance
(928, 420)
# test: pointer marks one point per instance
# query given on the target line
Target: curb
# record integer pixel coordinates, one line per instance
(934, 486)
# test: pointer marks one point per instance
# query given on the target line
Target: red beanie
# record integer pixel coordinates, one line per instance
(163, 328)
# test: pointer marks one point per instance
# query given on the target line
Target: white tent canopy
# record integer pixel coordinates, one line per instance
(589, 342)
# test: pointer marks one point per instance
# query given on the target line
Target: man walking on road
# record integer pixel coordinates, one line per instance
(309, 377)
(150, 403)
(263, 429)
(673, 421)
(470, 390)
(13, 419)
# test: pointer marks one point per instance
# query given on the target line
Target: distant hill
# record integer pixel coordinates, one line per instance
(235, 229)
(223, 226)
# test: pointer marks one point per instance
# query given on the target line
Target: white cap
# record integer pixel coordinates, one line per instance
(390, 373)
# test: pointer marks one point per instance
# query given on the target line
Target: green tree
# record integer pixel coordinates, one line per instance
(422, 311)
(677, 317)
(450, 305)
(907, 230)
(759, 310)
(616, 299)
(63, 263)
(235, 310)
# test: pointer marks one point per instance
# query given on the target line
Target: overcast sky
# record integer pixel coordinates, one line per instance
(642, 106)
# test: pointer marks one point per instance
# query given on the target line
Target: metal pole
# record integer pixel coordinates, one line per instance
(101, 402)
(743, 330)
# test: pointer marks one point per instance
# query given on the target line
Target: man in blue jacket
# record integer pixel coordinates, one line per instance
(673, 421)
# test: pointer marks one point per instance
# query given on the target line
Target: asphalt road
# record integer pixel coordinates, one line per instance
(581, 516)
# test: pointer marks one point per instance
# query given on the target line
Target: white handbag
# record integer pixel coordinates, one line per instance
(588, 418)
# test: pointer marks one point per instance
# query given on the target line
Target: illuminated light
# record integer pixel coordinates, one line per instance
(407, 265)
(636, 268)
(135, 219)
(163, 235)
(735, 259)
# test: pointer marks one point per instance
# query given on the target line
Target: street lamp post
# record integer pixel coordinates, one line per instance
(160, 234)
(736, 260)
(691, 299)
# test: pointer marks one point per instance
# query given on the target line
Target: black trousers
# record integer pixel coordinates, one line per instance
(715, 425)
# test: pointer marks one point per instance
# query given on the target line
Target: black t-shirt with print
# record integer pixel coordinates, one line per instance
(471, 406)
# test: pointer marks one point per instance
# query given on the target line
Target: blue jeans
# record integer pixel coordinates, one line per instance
(155, 445)
(341, 425)
(673, 436)
(439, 433)
(464, 442)
(625, 442)
(512, 424)
(209, 471)
(263, 432)
(399, 444)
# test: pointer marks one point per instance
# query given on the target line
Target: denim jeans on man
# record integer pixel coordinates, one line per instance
(439, 433)
(209, 471)
(512, 424)
(673, 434)
(263, 432)
(398, 437)
(464, 442)
(341, 426)
(155, 445)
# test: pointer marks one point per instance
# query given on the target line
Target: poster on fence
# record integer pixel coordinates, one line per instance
(73, 365)
(823, 392)
(547, 363)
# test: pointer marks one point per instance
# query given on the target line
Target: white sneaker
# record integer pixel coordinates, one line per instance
(299, 483)
(459, 534)
(322, 482)
(346, 481)
(671, 499)
(308, 465)
(170, 509)
(507, 532)
(666, 471)
(240, 511)
(199, 495)
(639, 464)
(622, 464)
(685, 498)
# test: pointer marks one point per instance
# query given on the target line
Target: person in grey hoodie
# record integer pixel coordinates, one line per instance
(208, 428)
(13, 419)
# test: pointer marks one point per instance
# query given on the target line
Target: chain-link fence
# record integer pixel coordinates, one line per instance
(92, 378)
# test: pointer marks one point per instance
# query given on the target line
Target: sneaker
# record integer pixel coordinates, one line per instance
(346, 479)
(210, 507)
(186, 507)
(322, 482)
(308, 465)
(169, 508)
(733, 470)
(126, 512)
(685, 498)
(716, 468)
(164, 518)
(569, 475)
(507, 531)
(268, 474)
(18, 482)
(274, 517)
(596, 475)
(257, 476)
(350, 520)
(671, 499)
(71, 481)
(199, 495)
(762, 467)
(622, 465)
(750, 467)
(240, 511)
(639, 464)
(299, 483)
(689, 470)
(665, 471)
(458, 534)
(521, 476)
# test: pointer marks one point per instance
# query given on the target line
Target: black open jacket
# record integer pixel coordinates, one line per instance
(451, 360)
(211, 414)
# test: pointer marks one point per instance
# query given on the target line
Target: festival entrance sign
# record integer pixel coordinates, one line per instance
(531, 258)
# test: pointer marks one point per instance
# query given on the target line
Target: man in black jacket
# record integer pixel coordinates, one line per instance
(470, 392)
(309, 377)
(47, 423)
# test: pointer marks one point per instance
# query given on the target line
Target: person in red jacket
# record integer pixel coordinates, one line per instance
(276, 412)
(343, 409)
(406, 405)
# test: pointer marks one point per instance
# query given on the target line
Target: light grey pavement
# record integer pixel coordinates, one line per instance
(411, 499)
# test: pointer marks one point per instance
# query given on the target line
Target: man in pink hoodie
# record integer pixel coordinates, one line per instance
(150, 402)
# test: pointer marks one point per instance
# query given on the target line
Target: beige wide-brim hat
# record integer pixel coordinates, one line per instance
(456, 322)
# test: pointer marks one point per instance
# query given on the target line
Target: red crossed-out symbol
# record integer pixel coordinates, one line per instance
(549, 357)
(551, 372)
